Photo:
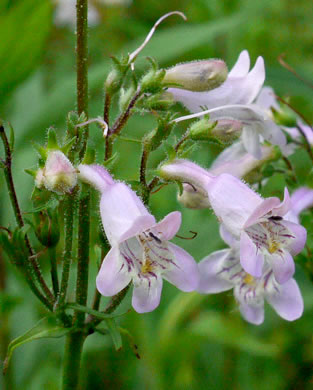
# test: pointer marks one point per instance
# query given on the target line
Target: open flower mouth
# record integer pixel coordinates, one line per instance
(146, 256)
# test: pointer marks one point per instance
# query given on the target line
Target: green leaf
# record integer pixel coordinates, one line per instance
(115, 333)
(43, 329)
(94, 313)
(20, 47)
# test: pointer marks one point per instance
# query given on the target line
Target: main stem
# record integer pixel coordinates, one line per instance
(75, 341)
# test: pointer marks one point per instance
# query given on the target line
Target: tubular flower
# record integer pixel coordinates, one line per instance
(221, 271)
(266, 237)
(140, 249)
(240, 87)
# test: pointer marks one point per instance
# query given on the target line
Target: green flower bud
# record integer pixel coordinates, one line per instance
(46, 227)
(151, 82)
(284, 117)
(201, 130)
(197, 76)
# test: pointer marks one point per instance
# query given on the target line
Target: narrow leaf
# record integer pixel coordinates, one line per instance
(43, 329)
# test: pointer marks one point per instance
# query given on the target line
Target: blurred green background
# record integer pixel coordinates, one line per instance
(190, 341)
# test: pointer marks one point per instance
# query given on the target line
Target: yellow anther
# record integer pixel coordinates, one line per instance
(249, 279)
(146, 267)
(273, 246)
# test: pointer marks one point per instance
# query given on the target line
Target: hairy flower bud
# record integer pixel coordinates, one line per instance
(227, 130)
(58, 174)
(197, 76)
(46, 227)
(193, 197)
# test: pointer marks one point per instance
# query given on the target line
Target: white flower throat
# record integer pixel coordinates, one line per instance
(270, 234)
(146, 255)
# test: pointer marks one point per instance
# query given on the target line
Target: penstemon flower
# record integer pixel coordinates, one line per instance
(141, 251)
(266, 237)
(221, 271)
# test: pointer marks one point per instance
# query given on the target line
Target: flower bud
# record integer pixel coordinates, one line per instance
(193, 197)
(201, 130)
(151, 82)
(284, 117)
(227, 130)
(46, 227)
(58, 174)
(197, 76)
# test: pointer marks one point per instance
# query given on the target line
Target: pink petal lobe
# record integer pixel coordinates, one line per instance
(209, 269)
(299, 234)
(283, 267)
(113, 276)
(262, 209)
(251, 259)
(252, 314)
(168, 227)
(242, 65)
(288, 303)
(146, 298)
(185, 274)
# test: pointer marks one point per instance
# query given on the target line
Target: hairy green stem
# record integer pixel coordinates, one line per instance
(82, 65)
(72, 358)
(68, 246)
(32, 265)
(83, 252)
(123, 118)
(54, 271)
(75, 341)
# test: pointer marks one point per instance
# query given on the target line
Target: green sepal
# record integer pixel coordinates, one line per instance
(14, 245)
(111, 161)
(68, 145)
(43, 153)
(114, 333)
(45, 328)
(52, 141)
(170, 151)
(31, 172)
(90, 155)
(11, 138)
(186, 151)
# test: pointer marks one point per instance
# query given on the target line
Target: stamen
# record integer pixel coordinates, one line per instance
(249, 279)
(135, 53)
(188, 238)
(155, 237)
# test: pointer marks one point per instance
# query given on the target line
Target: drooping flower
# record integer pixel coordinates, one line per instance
(266, 237)
(140, 249)
(221, 271)
(58, 174)
(241, 87)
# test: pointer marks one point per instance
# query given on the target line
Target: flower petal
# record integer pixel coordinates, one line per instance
(254, 81)
(266, 99)
(209, 268)
(283, 266)
(296, 244)
(122, 211)
(285, 205)
(228, 238)
(273, 134)
(262, 209)
(95, 175)
(185, 275)
(288, 302)
(242, 65)
(168, 227)
(147, 297)
(186, 172)
(232, 201)
(251, 141)
(251, 313)
(113, 275)
(251, 260)
(301, 199)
